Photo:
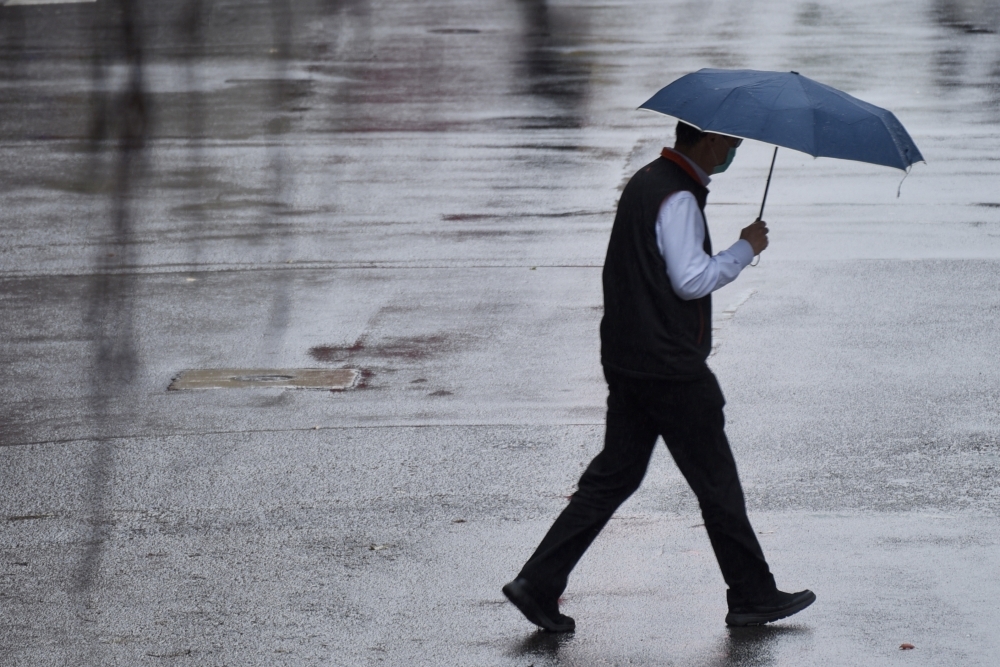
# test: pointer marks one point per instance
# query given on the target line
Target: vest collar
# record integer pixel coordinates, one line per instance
(685, 163)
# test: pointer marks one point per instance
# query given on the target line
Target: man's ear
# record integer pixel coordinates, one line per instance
(716, 143)
(709, 141)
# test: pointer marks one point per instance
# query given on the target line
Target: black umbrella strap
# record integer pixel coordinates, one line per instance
(900, 188)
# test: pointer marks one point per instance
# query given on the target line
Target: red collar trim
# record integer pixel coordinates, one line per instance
(679, 160)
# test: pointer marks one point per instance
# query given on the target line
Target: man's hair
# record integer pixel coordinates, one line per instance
(688, 135)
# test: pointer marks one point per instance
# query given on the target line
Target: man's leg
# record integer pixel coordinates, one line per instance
(691, 420)
(608, 481)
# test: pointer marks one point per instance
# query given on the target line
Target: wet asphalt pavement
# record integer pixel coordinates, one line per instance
(423, 192)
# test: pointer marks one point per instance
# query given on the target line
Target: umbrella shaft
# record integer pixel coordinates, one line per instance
(767, 187)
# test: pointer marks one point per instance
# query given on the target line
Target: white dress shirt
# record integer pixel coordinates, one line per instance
(680, 236)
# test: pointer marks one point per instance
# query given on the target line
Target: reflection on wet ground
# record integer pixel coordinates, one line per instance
(975, 17)
(554, 65)
(969, 51)
(544, 645)
(119, 128)
(737, 647)
(423, 190)
(754, 646)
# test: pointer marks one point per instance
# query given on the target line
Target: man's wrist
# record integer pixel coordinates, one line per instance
(743, 252)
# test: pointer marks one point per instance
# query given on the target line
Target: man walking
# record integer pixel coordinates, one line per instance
(655, 338)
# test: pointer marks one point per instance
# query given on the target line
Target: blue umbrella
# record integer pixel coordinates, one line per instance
(790, 110)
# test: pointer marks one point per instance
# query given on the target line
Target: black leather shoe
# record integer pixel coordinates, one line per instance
(781, 606)
(543, 614)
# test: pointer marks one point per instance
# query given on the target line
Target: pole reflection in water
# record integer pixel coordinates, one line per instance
(119, 129)
(967, 60)
(192, 53)
(551, 69)
(283, 94)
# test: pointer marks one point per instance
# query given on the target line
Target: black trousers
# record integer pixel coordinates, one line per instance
(688, 415)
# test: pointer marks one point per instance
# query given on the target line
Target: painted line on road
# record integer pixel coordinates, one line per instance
(365, 427)
(14, 3)
(173, 269)
(719, 323)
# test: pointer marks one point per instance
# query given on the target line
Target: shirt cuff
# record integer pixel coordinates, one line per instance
(742, 252)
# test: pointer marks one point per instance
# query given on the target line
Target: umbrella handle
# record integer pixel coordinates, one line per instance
(760, 216)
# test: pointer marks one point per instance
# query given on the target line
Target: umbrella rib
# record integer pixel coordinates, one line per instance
(880, 115)
(812, 114)
(719, 106)
(896, 142)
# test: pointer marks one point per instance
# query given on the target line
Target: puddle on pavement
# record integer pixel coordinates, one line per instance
(406, 347)
(454, 31)
(228, 205)
(476, 234)
(288, 378)
(473, 217)
(85, 185)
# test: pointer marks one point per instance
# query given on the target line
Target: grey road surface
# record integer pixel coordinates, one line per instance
(422, 192)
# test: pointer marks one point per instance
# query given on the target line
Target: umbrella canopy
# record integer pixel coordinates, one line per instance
(790, 110)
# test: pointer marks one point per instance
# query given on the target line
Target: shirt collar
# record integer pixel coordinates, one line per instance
(702, 176)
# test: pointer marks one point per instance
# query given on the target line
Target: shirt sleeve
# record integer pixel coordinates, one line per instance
(680, 236)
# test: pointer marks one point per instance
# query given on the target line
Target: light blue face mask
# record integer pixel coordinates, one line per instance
(725, 165)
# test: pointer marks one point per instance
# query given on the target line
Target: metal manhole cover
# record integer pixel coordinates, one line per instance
(240, 378)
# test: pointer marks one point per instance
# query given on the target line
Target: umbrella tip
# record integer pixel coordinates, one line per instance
(794, 72)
